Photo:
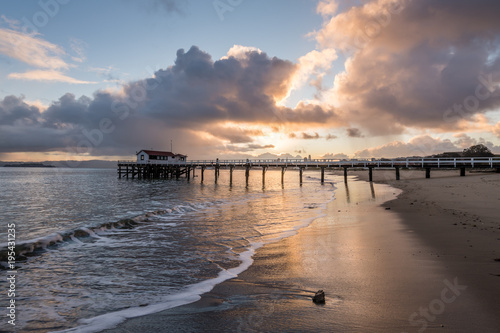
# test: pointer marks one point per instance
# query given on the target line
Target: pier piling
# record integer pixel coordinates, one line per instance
(247, 173)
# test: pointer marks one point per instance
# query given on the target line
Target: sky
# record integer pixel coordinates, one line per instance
(237, 79)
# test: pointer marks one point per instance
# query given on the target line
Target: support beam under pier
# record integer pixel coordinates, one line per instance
(247, 174)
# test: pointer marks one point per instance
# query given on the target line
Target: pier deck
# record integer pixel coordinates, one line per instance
(132, 169)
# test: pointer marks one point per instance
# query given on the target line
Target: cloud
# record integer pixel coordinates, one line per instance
(233, 134)
(307, 136)
(233, 89)
(12, 23)
(327, 8)
(338, 156)
(424, 145)
(464, 141)
(78, 47)
(47, 75)
(34, 51)
(14, 110)
(246, 148)
(311, 68)
(354, 133)
(169, 6)
(270, 156)
(410, 62)
(496, 129)
(31, 50)
(241, 52)
(254, 146)
(331, 137)
(200, 104)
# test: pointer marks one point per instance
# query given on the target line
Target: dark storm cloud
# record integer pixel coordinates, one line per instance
(196, 89)
(14, 111)
(196, 95)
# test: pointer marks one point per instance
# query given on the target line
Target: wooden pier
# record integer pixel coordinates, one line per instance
(130, 169)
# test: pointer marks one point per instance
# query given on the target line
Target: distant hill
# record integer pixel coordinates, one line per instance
(27, 165)
(64, 164)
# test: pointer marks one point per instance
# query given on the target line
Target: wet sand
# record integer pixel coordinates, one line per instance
(404, 269)
(459, 218)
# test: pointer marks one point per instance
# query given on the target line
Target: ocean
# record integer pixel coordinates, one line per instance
(98, 249)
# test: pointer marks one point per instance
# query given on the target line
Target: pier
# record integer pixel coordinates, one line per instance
(187, 169)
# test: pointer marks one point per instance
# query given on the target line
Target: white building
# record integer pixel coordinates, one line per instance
(159, 157)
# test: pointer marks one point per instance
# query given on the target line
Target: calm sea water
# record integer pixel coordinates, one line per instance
(100, 249)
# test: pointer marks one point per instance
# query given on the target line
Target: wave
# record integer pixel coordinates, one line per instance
(33, 247)
(189, 294)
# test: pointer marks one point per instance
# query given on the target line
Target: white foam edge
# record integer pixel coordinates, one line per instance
(40, 242)
(190, 294)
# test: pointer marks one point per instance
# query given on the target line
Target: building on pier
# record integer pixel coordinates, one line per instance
(159, 157)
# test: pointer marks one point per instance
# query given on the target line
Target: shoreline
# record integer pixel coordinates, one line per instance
(458, 218)
(376, 275)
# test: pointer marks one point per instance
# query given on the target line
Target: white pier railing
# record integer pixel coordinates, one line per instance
(468, 162)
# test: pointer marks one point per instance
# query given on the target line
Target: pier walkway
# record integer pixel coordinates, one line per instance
(132, 169)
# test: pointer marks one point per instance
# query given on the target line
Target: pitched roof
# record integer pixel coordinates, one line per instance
(157, 153)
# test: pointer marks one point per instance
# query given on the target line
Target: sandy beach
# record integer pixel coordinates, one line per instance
(427, 261)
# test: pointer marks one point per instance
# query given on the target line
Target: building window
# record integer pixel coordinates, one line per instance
(142, 157)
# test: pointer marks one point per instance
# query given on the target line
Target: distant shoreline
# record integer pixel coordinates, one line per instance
(28, 165)
(62, 164)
